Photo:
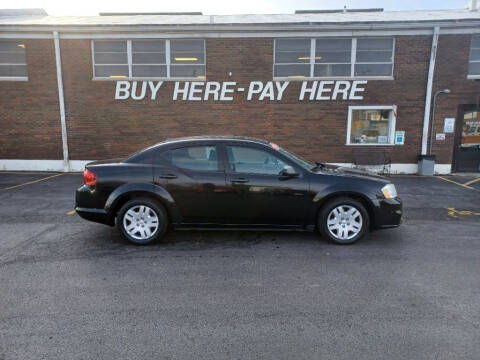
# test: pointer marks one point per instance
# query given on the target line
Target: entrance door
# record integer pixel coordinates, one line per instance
(467, 144)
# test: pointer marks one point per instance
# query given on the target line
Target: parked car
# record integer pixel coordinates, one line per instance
(233, 183)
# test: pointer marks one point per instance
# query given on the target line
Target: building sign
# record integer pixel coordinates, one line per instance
(448, 125)
(399, 137)
(327, 90)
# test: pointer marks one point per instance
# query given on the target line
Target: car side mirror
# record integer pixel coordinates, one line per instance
(288, 172)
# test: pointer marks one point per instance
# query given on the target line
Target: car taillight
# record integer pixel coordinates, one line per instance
(89, 177)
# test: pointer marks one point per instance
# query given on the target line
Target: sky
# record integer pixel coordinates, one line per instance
(212, 7)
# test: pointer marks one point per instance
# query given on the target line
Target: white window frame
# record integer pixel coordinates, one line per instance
(391, 128)
(167, 63)
(353, 61)
(15, 78)
(475, 61)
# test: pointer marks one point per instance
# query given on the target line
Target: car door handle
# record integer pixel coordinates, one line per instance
(167, 176)
(239, 180)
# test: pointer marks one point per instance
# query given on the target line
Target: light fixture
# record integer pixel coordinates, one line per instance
(438, 92)
(308, 58)
(296, 76)
(201, 76)
(118, 76)
(186, 59)
(21, 45)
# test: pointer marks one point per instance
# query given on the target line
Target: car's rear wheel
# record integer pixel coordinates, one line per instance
(142, 221)
(343, 220)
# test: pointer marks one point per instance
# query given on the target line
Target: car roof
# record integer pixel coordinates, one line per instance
(213, 138)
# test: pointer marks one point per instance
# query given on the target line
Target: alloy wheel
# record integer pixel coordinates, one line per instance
(344, 222)
(140, 222)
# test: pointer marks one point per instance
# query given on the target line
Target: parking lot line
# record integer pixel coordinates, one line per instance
(457, 183)
(471, 181)
(30, 182)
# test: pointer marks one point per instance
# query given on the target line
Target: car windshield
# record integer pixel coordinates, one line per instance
(297, 160)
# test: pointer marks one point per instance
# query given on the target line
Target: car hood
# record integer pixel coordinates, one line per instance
(351, 172)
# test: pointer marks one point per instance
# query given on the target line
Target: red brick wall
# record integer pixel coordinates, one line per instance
(100, 126)
(451, 73)
(29, 112)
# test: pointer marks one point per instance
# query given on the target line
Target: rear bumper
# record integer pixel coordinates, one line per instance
(388, 213)
(96, 215)
(88, 207)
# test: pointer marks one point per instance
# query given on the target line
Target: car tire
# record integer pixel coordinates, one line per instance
(343, 220)
(142, 221)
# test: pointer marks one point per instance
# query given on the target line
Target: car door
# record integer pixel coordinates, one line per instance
(259, 195)
(194, 176)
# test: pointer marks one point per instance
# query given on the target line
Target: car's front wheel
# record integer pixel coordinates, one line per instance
(142, 221)
(343, 220)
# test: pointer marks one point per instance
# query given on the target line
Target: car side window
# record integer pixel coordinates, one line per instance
(199, 158)
(243, 159)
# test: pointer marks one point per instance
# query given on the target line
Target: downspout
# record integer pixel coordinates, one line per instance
(428, 99)
(61, 102)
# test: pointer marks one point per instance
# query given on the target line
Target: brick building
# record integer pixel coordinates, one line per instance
(335, 87)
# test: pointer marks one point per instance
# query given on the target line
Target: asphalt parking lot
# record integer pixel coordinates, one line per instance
(71, 289)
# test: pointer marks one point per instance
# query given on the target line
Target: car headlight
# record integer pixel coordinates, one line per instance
(389, 191)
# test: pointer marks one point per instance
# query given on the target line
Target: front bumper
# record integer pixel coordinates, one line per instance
(388, 213)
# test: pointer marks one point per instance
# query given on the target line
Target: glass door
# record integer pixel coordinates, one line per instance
(467, 154)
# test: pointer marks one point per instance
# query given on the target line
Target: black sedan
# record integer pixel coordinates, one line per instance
(233, 183)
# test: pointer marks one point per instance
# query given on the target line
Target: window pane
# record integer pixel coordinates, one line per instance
(374, 56)
(148, 58)
(111, 58)
(111, 71)
(13, 70)
(199, 158)
(333, 45)
(292, 57)
(470, 129)
(370, 127)
(373, 70)
(332, 56)
(300, 45)
(187, 71)
(12, 57)
(375, 44)
(476, 42)
(186, 45)
(148, 46)
(149, 70)
(249, 160)
(187, 51)
(474, 68)
(12, 46)
(326, 70)
(292, 70)
(110, 46)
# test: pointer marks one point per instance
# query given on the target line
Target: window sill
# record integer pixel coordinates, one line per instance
(150, 79)
(334, 78)
(389, 144)
(13, 78)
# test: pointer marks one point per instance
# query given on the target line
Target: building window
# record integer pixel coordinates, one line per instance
(334, 58)
(474, 63)
(371, 125)
(13, 63)
(148, 59)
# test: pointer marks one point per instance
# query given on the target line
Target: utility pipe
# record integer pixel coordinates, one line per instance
(428, 98)
(61, 102)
